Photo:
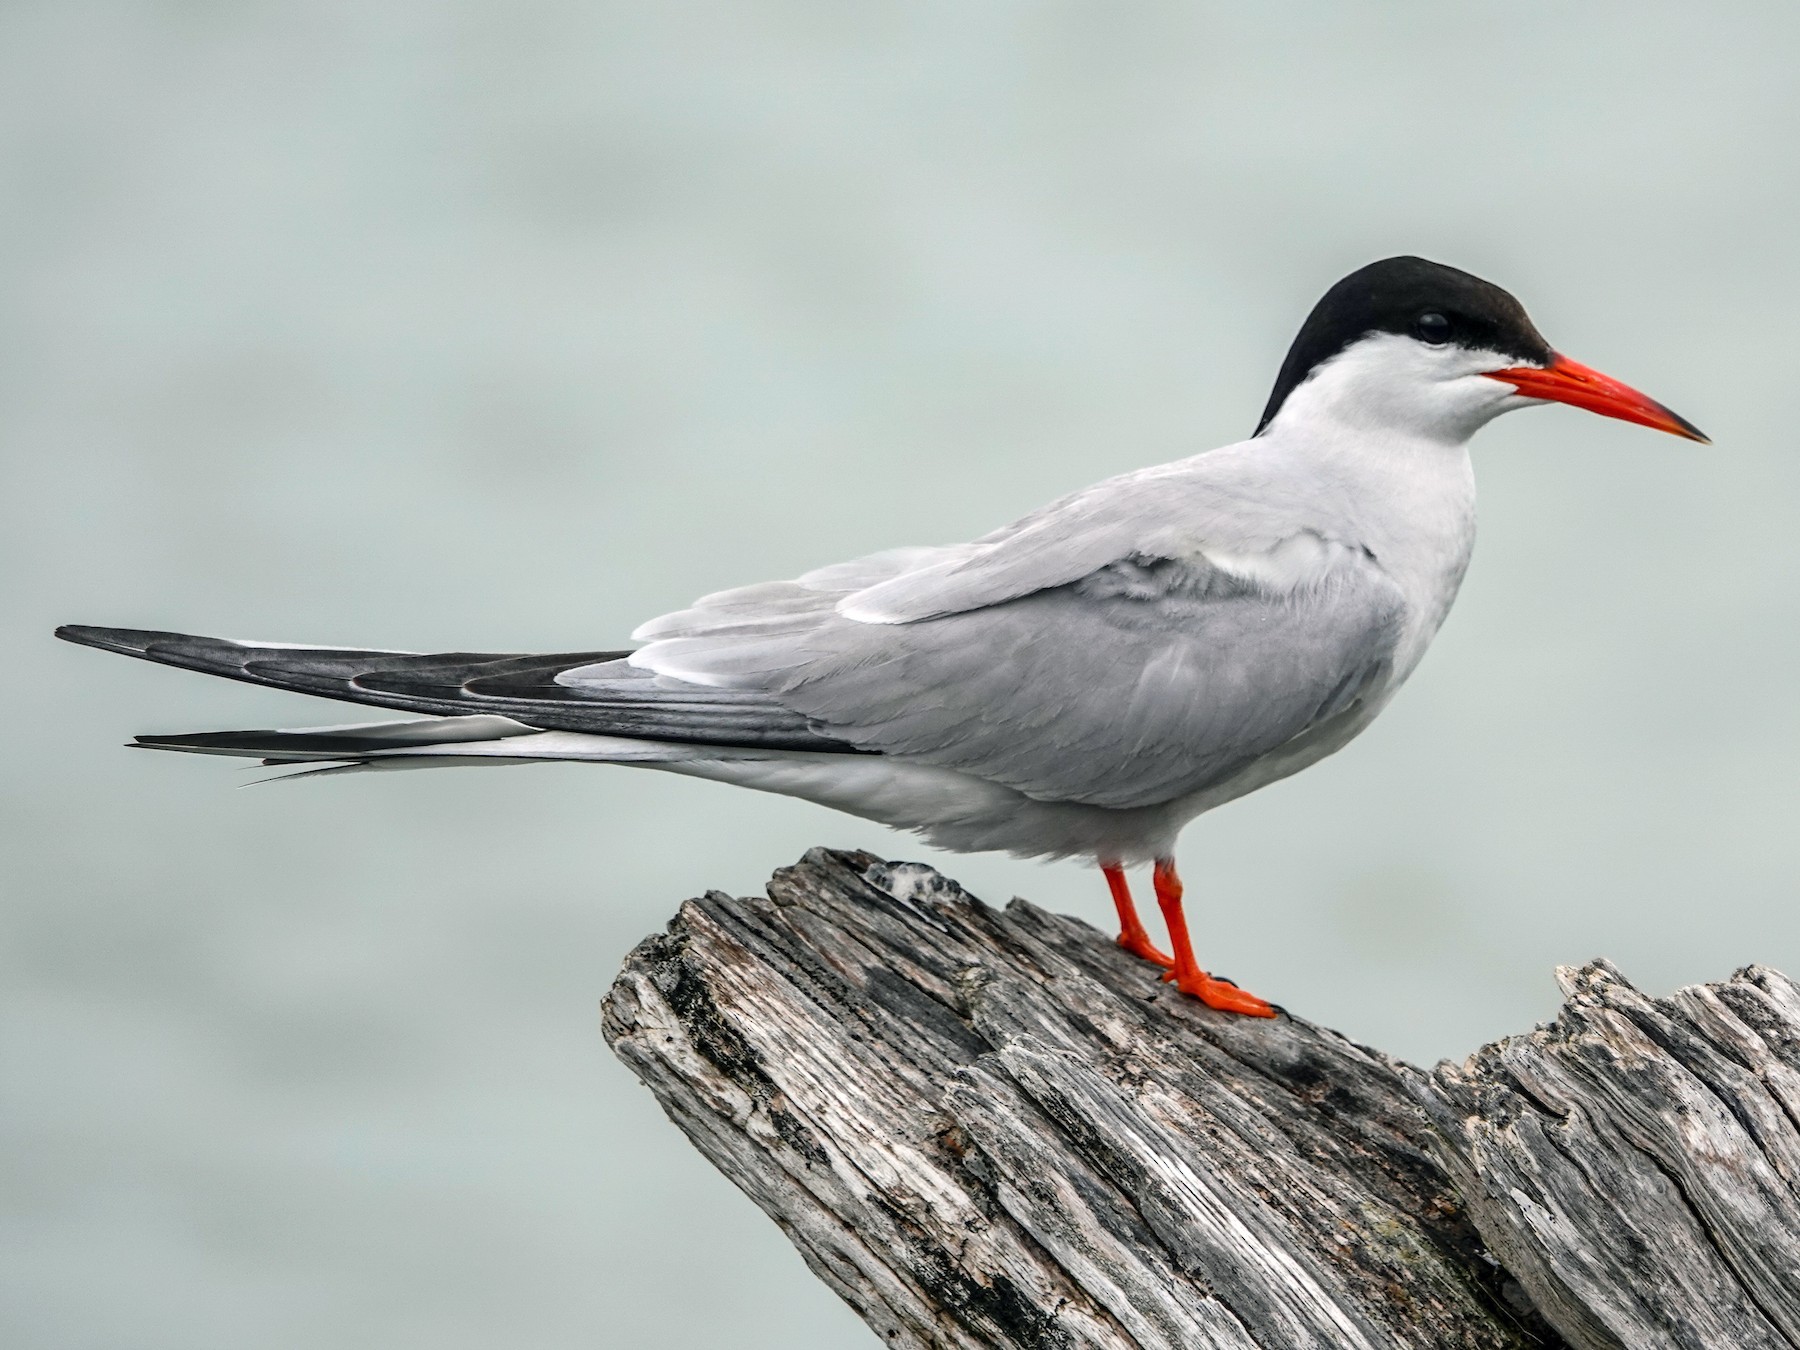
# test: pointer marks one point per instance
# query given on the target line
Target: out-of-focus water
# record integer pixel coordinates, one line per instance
(506, 326)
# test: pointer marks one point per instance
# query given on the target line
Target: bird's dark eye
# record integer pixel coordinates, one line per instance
(1432, 327)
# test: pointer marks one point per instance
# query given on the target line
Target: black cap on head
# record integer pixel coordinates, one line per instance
(1420, 299)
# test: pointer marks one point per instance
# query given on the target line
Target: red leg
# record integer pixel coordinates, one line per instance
(1132, 936)
(1187, 975)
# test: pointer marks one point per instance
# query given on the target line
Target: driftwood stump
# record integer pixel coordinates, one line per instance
(988, 1128)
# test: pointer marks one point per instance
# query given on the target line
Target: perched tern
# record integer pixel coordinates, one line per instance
(1080, 683)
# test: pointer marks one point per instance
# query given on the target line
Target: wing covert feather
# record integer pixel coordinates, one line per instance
(1217, 505)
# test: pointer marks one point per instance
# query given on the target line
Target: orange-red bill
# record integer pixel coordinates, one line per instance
(1566, 381)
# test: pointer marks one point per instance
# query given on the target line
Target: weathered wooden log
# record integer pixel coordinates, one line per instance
(988, 1128)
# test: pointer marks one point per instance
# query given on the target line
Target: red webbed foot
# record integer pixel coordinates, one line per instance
(1220, 994)
(1140, 945)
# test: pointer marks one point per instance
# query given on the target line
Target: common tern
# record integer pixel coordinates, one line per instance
(1080, 683)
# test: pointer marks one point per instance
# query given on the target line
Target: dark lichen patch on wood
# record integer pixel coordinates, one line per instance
(995, 1128)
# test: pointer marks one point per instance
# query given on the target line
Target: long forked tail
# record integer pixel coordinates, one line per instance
(482, 707)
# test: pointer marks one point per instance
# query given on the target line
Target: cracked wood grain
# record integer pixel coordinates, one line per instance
(1635, 1163)
(994, 1128)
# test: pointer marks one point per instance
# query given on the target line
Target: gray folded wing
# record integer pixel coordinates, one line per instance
(1145, 679)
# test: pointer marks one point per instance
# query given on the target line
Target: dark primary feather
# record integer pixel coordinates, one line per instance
(614, 698)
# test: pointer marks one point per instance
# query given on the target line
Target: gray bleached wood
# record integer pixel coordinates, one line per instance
(1635, 1162)
(994, 1128)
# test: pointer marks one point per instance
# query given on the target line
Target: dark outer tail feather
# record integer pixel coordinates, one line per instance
(275, 746)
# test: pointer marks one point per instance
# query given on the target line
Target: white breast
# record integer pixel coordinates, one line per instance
(1409, 501)
(1418, 518)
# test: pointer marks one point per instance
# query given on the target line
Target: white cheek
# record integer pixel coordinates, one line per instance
(1392, 385)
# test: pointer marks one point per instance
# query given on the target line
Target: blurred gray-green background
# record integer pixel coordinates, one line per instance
(504, 326)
